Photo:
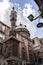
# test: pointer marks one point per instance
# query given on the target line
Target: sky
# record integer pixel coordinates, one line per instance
(24, 8)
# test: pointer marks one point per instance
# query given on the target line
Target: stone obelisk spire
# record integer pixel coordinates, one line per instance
(13, 19)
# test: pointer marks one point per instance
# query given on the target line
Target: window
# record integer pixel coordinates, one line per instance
(40, 60)
(41, 41)
(23, 55)
(2, 36)
(0, 48)
(8, 49)
(1, 39)
(31, 58)
(29, 47)
(3, 28)
(22, 39)
(15, 50)
(33, 42)
(22, 44)
(23, 51)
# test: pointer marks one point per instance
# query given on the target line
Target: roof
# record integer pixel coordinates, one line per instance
(35, 38)
(4, 24)
(11, 38)
(41, 38)
(22, 28)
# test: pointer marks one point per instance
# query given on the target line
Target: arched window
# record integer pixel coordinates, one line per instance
(33, 41)
(23, 55)
(0, 48)
(23, 51)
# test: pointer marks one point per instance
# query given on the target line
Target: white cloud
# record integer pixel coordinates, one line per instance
(17, 6)
(5, 0)
(28, 9)
(5, 9)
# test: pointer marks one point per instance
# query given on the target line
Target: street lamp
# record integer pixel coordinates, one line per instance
(39, 25)
(31, 17)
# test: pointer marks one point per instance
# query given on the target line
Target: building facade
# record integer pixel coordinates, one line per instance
(16, 47)
(4, 31)
(25, 50)
(38, 49)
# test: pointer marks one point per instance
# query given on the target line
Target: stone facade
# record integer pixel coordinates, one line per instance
(25, 50)
(4, 30)
(16, 47)
(38, 48)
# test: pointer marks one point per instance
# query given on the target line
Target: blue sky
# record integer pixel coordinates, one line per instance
(39, 31)
(22, 2)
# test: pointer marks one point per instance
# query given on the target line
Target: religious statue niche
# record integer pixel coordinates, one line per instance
(15, 49)
(8, 49)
